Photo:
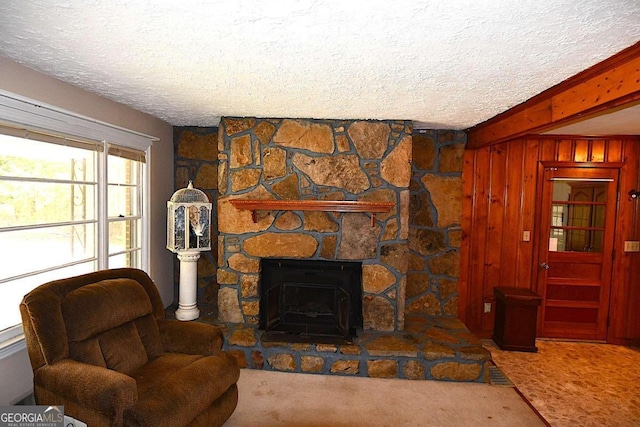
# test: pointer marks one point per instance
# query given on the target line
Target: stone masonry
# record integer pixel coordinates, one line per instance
(429, 348)
(310, 160)
(196, 159)
(434, 223)
(434, 230)
(432, 343)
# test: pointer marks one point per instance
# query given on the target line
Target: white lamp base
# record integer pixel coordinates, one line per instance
(188, 293)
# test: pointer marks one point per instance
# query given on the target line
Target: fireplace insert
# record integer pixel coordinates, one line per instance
(310, 300)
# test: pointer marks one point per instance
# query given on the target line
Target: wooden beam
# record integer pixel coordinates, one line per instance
(611, 83)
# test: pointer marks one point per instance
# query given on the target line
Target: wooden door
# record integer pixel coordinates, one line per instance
(576, 251)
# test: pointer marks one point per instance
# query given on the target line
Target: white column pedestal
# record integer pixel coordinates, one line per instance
(187, 299)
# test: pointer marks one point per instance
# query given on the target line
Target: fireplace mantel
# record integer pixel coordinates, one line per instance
(313, 205)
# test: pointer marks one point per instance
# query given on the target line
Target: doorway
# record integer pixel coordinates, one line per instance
(575, 251)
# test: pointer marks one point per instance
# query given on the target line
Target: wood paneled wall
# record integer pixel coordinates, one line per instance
(500, 196)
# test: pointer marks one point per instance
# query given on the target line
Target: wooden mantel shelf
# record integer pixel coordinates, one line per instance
(313, 205)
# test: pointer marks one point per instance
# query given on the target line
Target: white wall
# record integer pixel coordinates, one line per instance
(16, 377)
(15, 370)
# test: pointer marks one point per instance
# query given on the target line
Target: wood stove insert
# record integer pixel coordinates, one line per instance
(310, 300)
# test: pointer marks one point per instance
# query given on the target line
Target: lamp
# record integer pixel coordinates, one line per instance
(188, 234)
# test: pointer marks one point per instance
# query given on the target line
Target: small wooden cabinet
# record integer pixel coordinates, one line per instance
(516, 317)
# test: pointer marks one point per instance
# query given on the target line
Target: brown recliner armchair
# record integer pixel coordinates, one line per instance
(100, 345)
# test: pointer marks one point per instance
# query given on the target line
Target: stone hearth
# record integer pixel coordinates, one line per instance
(430, 348)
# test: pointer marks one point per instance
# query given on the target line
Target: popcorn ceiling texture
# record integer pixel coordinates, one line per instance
(442, 64)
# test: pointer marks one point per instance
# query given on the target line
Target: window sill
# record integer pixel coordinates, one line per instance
(12, 346)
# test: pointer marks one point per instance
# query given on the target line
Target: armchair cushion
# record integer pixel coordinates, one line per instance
(93, 389)
(104, 312)
(190, 338)
(92, 309)
(179, 376)
(113, 344)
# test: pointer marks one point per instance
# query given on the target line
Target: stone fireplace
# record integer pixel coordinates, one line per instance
(316, 160)
(335, 160)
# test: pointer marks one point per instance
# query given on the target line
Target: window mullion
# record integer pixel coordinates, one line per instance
(44, 270)
(124, 218)
(145, 202)
(44, 180)
(46, 225)
(103, 223)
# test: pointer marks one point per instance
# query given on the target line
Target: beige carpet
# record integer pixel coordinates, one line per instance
(270, 398)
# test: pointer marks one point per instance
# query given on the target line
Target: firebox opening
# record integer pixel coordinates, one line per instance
(309, 300)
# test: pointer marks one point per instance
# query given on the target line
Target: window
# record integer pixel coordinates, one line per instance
(68, 205)
(124, 196)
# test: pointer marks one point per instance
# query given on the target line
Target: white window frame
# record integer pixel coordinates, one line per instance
(103, 214)
(16, 110)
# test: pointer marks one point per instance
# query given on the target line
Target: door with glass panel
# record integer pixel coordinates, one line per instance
(576, 251)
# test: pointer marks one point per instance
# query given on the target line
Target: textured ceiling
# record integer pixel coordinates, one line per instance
(443, 64)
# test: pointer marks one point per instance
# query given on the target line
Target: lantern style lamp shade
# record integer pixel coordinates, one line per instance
(188, 233)
(188, 221)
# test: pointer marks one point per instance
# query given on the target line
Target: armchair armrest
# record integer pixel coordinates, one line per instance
(111, 392)
(190, 337)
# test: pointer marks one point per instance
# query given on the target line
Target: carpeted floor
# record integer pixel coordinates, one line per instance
(269, 399)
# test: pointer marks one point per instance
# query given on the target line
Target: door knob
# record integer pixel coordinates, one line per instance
(545, 266)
